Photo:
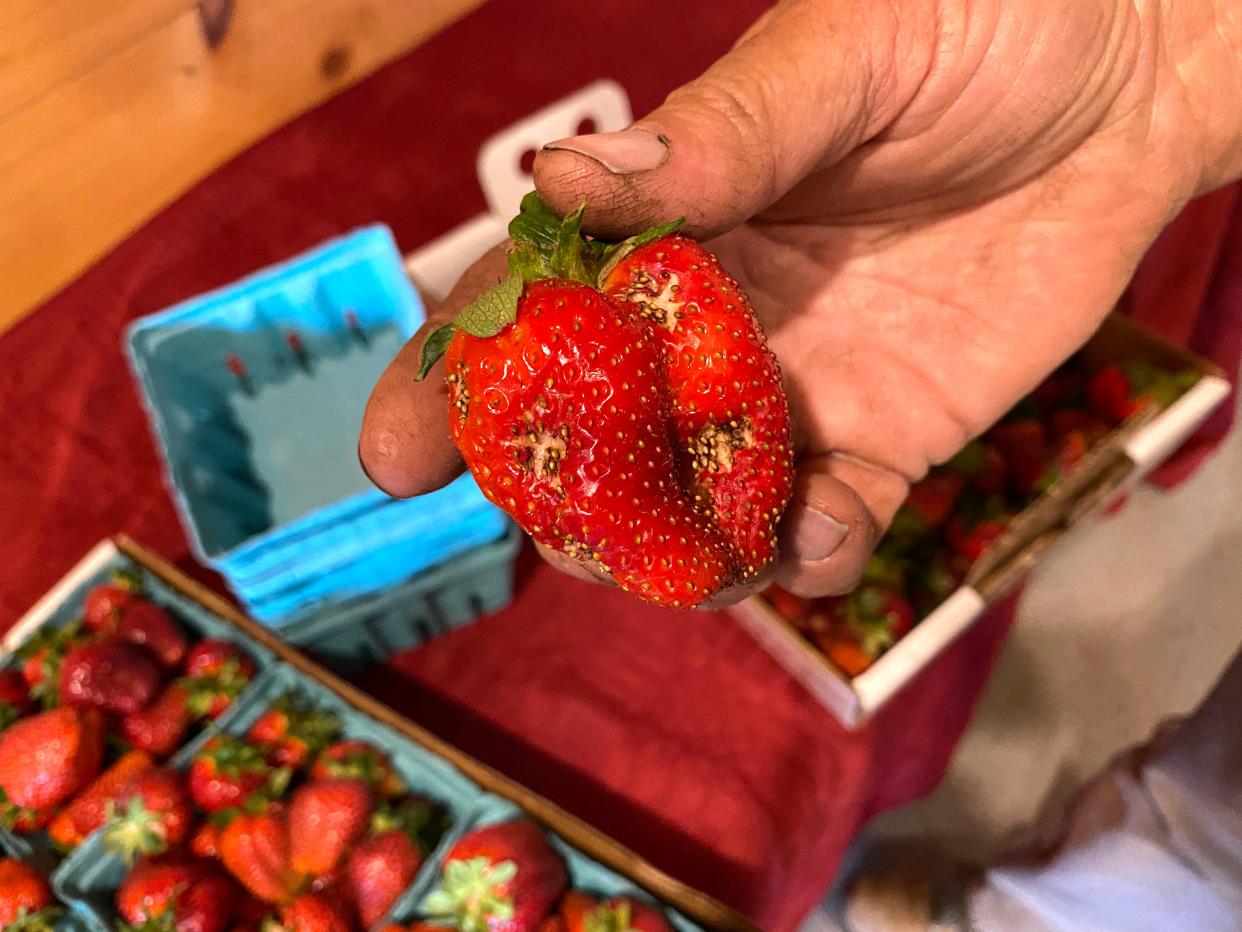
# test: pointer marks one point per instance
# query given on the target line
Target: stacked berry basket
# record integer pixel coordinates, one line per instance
(255, 394)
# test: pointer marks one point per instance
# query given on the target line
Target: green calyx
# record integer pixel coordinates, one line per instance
(970, 460)
(473, 894)
(134, 830)
(421, 820)
(9, 713)
(49, 646)
(13, 816)
(41, 920)
(230, 757)
(871, 624)
(609, 918)
(203, 692)
(314, 727)
(163, 921)
(129, 580)
(544, 246)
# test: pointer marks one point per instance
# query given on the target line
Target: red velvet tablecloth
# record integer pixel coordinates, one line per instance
(671, 732)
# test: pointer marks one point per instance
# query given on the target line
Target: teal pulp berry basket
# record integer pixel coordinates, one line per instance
(89, 878)
(255, 394)
(199, 623)
(585, 874)
(469, 794)
(371, 629)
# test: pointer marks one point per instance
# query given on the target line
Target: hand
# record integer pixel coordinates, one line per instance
(931, 204)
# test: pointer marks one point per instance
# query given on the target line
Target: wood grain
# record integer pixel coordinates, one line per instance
(110, 111)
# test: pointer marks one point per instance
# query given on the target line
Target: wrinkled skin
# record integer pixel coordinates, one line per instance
(931, 205)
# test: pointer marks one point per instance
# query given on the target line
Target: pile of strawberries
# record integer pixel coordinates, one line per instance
(125, 678)
(952, 516)
(291, 826)
(508, 877)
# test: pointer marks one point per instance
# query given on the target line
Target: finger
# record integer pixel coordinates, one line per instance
(800, 90)
(839, 510)
(405, 446)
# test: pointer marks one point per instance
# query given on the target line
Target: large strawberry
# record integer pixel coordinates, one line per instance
(504, 876)
(89, 809)
(149, 816)
(179, 892)
(621, 403)
(255, 849)
(15, 699)
(326, 818)
(110, 674)
(161, 726)
(358, 760)
(293, 731)
(580, 912)
(728, 406)
(145, 623)
(25, 901)
(48, 757)
(228, 771)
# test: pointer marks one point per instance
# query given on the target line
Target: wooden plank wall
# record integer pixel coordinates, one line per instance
(109, 111)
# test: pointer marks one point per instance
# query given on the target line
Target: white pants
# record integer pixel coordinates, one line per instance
(1154, 844)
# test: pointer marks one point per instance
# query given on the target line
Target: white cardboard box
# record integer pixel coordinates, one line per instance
(1108, 470)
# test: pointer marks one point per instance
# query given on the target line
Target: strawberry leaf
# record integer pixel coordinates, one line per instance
(492, 311)
(535, 225)
(566, 259)
(526, 263)
(433, 348)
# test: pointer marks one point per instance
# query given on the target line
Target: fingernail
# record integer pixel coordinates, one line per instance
(815, 535)
(623, 153)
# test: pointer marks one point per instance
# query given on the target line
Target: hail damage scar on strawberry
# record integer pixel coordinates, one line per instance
(619, 400)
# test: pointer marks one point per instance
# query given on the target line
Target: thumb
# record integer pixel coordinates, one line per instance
(840, 508)
(803, 88)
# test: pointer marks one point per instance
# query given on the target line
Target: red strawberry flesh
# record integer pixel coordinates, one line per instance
(728, 407)
(564, 423)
